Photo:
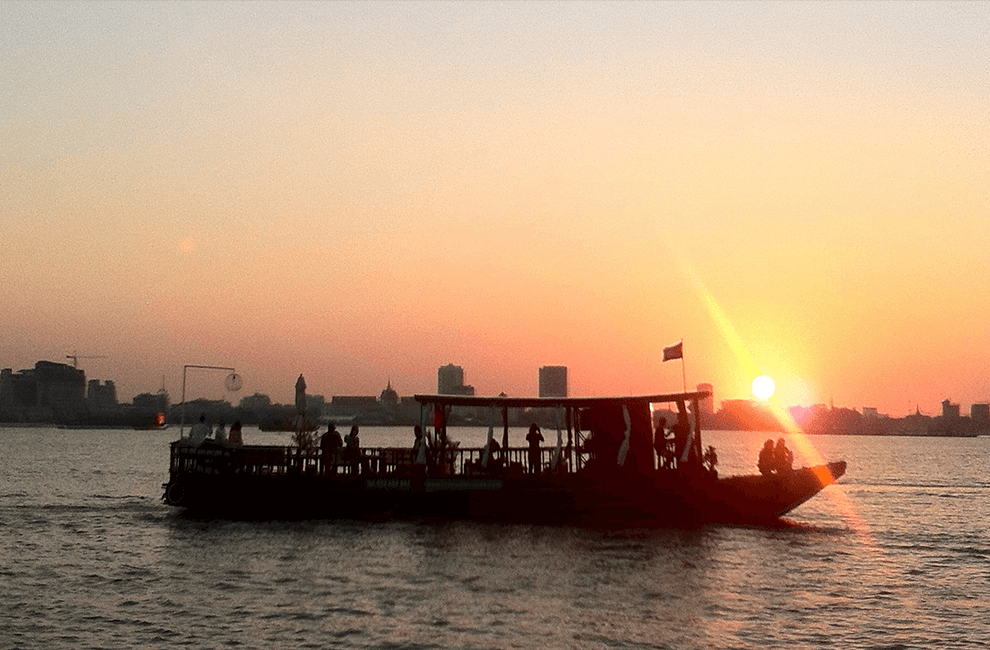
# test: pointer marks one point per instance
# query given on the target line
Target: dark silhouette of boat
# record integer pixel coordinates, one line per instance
(605, 466)
(157, 423)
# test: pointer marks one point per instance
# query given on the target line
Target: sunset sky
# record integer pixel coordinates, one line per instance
(363, 192)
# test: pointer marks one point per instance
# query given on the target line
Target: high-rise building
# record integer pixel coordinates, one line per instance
(101, 396)
(707, 404)
(553, 381)
(450, 381)
(449, 377)
(50, 392)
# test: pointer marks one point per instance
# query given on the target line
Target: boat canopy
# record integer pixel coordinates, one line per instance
(623, 422)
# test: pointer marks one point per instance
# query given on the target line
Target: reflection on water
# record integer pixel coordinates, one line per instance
(444, 584)
(90, 557)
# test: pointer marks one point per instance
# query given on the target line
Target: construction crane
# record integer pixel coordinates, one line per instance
(76, 357)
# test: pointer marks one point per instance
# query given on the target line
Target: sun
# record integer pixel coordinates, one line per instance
(763, 387)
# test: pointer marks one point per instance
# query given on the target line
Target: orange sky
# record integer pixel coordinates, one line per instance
(365, 192)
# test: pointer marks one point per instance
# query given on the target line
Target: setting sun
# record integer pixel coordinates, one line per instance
(763, 387)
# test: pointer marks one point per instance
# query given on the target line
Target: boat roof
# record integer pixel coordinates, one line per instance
(550, 402)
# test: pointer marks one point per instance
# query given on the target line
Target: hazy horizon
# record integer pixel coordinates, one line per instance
(363, 192)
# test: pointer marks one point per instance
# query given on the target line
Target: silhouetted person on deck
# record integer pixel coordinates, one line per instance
(493, 450)
(235, 437)
(534, 438)
(660, 442)
(766, 462)
(783, 458)
(352, 449)
(710, 461)
(330, 444)
(200, 431)
(420, 448)
(220, 435)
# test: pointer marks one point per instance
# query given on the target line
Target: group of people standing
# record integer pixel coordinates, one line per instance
(336, 450)
(201, 432)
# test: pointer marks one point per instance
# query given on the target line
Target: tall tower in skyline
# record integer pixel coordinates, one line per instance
(707, 405)
(450, 381)
(553, 381)
(449, 378)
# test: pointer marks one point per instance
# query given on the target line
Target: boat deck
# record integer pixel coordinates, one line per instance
(264, 460)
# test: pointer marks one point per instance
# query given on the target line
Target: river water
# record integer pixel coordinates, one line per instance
(896, 555)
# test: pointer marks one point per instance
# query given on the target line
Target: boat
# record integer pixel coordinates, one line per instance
(157, 424)
(604, 469)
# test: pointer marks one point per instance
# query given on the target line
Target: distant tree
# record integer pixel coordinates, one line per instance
(746, 415)
(255, 402)
(151, 402)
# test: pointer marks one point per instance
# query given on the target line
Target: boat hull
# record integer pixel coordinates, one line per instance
(667, 498)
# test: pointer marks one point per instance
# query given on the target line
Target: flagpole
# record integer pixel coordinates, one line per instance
(674, 352)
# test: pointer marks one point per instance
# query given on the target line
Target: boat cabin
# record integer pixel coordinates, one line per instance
(598, 435)
(593, 433)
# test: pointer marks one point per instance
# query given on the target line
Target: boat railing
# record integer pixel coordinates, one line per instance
(214, 458)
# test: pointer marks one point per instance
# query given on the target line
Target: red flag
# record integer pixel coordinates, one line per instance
(674, 352)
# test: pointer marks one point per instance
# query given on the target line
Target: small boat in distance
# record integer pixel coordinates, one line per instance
(158, 424)
(606, 467)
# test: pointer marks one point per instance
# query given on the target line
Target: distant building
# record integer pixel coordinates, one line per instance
(980, 414)
(707, 404)
(386, 409)
(50, 392)
(950, 411)
(450, 381)
(389, 397)
(553, 381)
(353, 403)
(914, 424)
(101, 396)
(871, 412)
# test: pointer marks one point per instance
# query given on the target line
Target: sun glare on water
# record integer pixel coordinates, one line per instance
(763, 387)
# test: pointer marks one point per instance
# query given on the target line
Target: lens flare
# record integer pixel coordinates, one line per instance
(796, 435)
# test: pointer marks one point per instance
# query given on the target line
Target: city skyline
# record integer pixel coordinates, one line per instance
(360, 192)
(551, 381)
